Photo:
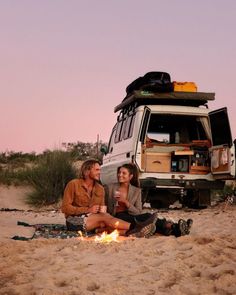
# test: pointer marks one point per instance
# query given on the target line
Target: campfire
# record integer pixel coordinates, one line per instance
(103, 238)
(107, 238)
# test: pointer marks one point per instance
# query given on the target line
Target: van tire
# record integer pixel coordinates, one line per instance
(156, 204)
(161, 198)
(198, 199)
(144, 195)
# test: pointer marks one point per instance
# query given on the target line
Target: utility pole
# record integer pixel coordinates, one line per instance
(97, 145)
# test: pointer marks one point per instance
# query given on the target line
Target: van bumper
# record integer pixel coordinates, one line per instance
(155, 183)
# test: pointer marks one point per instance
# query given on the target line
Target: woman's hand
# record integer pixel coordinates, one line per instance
(122, 199)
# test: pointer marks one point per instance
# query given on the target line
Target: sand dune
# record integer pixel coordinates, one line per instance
(203, 262)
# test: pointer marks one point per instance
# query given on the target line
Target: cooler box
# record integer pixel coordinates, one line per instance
(185, 86)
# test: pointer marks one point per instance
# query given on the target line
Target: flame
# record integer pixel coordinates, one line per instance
(108, 238)
(80, 234)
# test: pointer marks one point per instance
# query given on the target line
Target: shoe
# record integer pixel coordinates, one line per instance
(142, 231)
(183, 227)
(189, 224)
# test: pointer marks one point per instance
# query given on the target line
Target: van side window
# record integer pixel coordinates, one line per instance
(129, 126)
(118, 131)
(124, 127)
(111, 141)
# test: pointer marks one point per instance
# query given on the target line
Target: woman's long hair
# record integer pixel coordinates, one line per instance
(133, 170)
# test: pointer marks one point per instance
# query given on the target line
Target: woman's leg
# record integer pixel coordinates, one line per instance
(125, 216)
(143, 217)
(163, 226)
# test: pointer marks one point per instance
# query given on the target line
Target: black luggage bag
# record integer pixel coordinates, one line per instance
(152, 81)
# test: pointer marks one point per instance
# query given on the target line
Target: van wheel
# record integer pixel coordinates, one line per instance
(144, 195)
(156, 204)
(198, 199)
(162, 198)
(204, 198)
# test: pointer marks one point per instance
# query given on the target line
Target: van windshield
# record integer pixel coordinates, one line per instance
(177, 128)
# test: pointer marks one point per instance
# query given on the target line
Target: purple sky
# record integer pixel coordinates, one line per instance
(65, 64)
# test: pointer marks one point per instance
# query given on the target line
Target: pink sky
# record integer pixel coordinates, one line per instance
(65, 64)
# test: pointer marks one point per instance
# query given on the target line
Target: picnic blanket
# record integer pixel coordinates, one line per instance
(48, 231)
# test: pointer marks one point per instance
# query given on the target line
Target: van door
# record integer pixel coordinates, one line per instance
(223, 149)
(140, 149)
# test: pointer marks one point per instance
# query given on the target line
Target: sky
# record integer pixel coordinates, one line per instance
(65, 65)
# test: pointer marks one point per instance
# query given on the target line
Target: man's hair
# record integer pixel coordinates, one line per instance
(86, 166)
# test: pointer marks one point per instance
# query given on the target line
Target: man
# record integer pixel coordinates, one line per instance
(81, 205)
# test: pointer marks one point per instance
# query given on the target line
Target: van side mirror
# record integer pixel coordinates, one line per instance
(104, 149)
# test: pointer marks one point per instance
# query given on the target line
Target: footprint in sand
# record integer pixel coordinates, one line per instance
(92, 286)
(204, 240)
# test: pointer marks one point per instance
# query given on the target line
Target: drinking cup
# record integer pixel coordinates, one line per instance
(103, 209)
(117, 196)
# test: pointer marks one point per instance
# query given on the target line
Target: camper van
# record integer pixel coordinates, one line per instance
(182, 149)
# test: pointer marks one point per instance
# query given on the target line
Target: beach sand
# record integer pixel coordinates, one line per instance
(203, 262)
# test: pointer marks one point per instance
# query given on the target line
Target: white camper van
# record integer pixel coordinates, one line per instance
(181, 148)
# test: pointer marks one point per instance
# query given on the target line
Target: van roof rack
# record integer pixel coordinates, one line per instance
(141, 97)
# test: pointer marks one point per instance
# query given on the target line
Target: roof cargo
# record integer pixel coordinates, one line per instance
(151, 81)
(185, 86)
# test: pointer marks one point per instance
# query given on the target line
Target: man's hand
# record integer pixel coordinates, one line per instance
(94, 209)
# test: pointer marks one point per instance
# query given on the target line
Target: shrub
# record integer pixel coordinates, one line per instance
(17, 158)
(49, 178)
(9, 175)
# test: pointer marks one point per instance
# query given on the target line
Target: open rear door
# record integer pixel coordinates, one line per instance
(223, 149)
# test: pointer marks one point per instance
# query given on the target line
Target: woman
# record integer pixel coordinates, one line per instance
(124, 201)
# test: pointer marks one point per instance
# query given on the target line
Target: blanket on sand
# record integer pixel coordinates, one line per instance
(48, 231)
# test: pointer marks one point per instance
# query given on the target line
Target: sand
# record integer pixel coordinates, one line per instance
(203, 262)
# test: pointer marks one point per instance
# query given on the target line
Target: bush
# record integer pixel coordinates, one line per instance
(49, 178)
(9, 175)
(17, 158)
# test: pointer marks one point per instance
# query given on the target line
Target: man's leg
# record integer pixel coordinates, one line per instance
(94, 220)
